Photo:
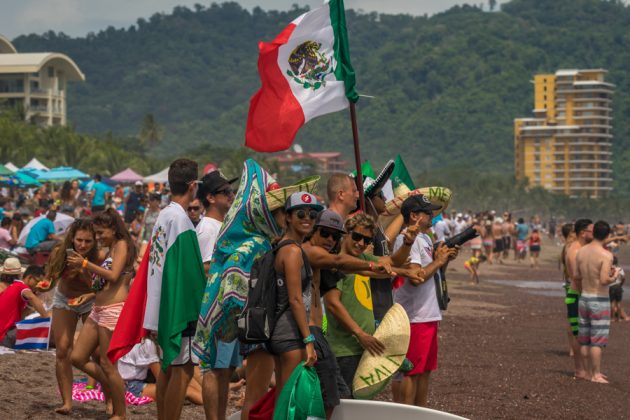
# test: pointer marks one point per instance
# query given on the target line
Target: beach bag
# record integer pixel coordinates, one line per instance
(301, 397)
(258, 319)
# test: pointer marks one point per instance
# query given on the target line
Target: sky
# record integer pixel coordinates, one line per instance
(79, 17)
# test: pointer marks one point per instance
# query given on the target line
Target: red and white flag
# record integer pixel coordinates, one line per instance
(305, 72)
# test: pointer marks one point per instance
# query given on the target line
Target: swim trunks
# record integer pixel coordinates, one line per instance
(571, 300)
(498, 246)
(423, 347)
(594, 320)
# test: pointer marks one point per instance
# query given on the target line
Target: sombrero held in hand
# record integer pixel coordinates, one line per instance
(437, 195)
(277, 197)
(374, 372)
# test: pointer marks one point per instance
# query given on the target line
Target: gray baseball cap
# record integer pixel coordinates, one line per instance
(330, 219)
(303, 199)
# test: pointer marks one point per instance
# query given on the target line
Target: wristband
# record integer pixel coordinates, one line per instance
(84, 263)
(309, 339)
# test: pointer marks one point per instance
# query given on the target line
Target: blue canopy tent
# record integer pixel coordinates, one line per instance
(61, 174)
(23, 179)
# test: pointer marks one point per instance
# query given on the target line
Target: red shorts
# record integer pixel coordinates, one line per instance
(423, 347)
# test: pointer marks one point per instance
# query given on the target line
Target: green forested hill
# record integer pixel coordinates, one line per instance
(446, 87)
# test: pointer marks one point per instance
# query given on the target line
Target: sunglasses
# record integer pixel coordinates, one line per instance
(301, 214)
(367, 240)
(227, 192)
(194, 208)
(324, 233)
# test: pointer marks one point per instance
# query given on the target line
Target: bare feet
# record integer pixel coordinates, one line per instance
(581, 375)
(235, 386)
(64, 410)
(117, 417)
(600, 379)
(109, 407)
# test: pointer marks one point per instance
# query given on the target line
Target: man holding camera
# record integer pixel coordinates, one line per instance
(420, 300)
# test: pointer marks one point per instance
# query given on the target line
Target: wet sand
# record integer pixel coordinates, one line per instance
(503, 353)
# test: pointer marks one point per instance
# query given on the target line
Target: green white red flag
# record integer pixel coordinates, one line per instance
(305, 72)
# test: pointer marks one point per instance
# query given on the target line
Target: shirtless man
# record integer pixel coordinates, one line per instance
(584, 234)
(506, 228)
(497, 236)
(594, 272)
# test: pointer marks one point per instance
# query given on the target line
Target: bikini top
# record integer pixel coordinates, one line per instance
(98, 282)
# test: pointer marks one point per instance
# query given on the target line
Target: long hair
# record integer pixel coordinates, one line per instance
(111, 219)
(66, 191)
(57, 263)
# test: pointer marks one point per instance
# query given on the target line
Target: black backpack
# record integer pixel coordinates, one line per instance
(258, 319)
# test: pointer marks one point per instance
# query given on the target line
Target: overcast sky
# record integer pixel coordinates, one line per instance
(78, 17)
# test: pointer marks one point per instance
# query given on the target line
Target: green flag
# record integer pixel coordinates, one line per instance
(401, 180)
(367, 170)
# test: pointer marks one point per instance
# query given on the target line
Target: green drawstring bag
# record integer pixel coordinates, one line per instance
(301, 397)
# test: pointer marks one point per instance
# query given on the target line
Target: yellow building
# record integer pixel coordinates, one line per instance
(567, 146)
(36, 83)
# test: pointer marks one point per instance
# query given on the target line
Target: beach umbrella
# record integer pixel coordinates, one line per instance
(4, 171)
(160, 177)
(62, 173)
(62, 221)
(23, 179)
(35, 164)
(127, 176)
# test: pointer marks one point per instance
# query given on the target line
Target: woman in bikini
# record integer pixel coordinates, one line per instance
(110, 281)
(73, 299)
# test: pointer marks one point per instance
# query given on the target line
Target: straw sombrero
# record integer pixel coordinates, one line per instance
(437, 195)
(276, 198)
(12, 266)
(374, 372)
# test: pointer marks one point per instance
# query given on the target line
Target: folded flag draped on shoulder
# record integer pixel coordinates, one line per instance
(305, 72)
(167, 290)
(32, 334)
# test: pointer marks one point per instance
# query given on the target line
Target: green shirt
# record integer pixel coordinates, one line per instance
(356, 296)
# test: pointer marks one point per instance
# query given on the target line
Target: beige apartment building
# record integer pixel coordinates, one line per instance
(566, 146)
(36, 82)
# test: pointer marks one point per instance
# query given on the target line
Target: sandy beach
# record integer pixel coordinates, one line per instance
(503, 354)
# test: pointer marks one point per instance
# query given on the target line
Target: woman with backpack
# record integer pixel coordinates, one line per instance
(291, 341)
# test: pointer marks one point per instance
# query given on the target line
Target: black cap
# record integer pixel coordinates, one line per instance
(212, 183)
(417, 203)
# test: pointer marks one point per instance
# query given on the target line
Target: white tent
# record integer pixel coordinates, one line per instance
(35, 164)
(62, 222)
(160, 177)
(10, 166)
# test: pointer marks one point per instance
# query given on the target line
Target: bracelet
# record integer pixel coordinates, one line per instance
(84, 263)
(309, 339)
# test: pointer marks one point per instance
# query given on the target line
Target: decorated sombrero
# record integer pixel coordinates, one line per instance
(371, 185)
(437, 195)
(374, 372)
(276, 198)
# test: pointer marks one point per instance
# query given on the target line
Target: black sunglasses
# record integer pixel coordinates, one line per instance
(367, 240)
(193, 208)
(301, 214)
(324, 233)
(227, 192)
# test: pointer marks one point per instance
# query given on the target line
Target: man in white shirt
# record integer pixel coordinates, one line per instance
(216, 195)
(420, 300)
(441, 229)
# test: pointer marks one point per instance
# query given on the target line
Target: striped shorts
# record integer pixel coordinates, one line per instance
(571, 300)
(594, 324)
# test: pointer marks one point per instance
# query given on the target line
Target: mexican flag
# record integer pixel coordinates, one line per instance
(305, 72)
(366, 170)
(399, 182)
(166, 293)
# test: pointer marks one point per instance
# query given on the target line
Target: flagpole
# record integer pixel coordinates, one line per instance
(357, 155)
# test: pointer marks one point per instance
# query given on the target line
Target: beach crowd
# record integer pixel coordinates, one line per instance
(199, 286)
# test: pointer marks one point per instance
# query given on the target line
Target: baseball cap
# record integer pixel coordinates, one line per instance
(417, 203)
(213, 182)
(330, 219)
(138, 183)
(303, 199)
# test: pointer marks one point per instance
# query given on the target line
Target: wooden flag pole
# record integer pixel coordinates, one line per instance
(357, 155)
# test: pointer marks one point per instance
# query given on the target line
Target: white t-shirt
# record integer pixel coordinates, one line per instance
(420, 302)
(460, 226)
(207, 234)
(441, 230)
(135, 364)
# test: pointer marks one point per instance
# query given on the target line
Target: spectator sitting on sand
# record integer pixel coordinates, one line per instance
(134, 368)
(16, 297)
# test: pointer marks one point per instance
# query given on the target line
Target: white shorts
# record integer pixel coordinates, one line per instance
(186, 354)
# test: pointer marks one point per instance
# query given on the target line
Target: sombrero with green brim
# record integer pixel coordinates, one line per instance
(371, 186)
(374, 372)
(436, 195)
(278, 197)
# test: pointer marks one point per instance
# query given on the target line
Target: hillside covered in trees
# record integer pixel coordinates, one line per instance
(446, 88)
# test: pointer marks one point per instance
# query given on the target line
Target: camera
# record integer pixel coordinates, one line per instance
(461, 238)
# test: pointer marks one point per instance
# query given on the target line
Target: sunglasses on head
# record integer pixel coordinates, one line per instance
(367, 240)
(325, 233)
(194, 208)
(301, 214)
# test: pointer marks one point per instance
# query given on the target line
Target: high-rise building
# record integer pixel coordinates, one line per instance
(36, 83)
(567, 146)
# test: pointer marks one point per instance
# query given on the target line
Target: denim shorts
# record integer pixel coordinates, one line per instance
(60, 301)
(135, 386)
